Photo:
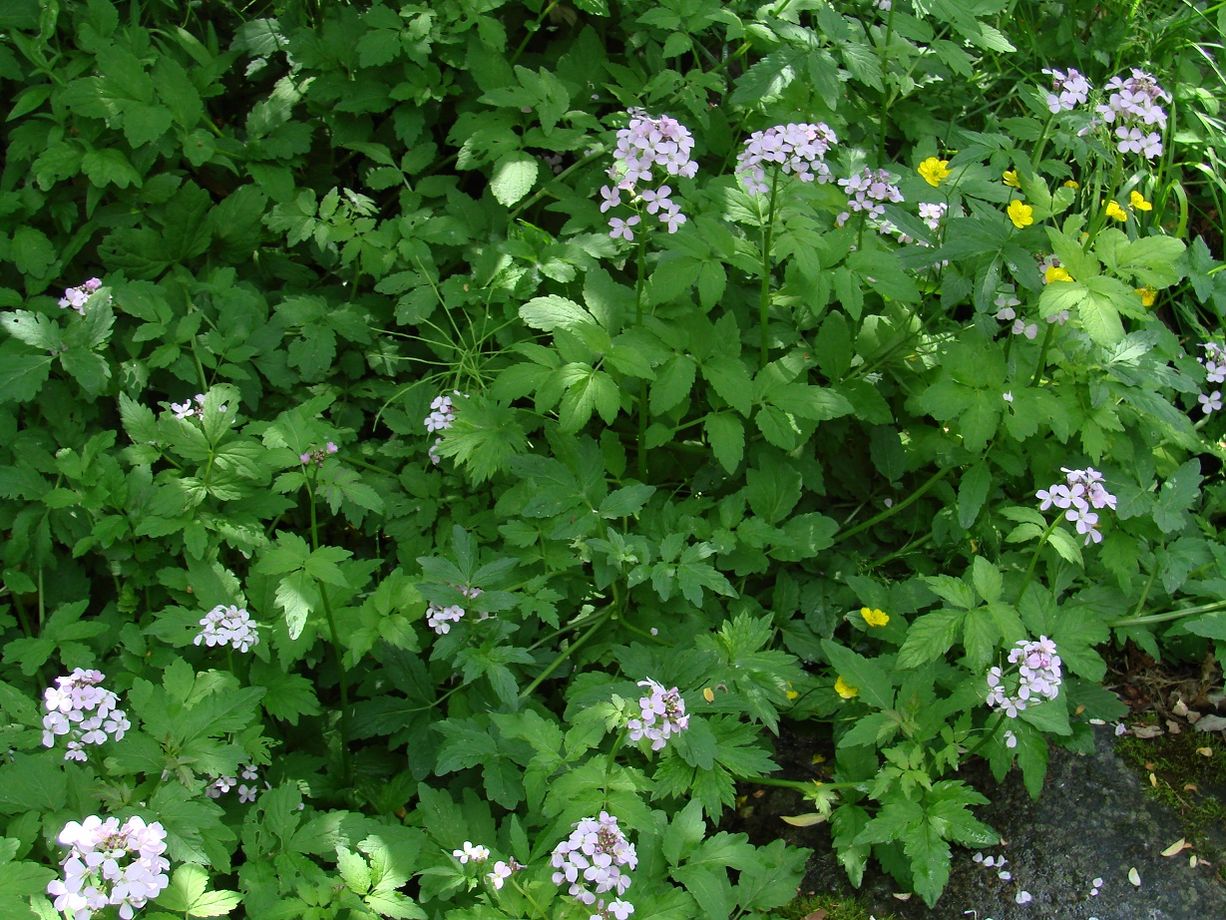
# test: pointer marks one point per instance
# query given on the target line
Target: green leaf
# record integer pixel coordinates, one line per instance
(987, 579)
(930, 859)
(31, 252)
(972, 493)
(1176, 497)
(865, 674)
(1049, 716)
(672, 384)
(929, 637)
(726, 434)
(809, 402)
(1211, 626)
(36, 330)
(187, 893)
(109, 167)
(832, 348)
(514, 176)
(730, 379)
(22, 375)
(773, 489)
(554, 312)
(626, 501)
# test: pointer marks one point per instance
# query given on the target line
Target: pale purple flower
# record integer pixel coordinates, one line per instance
(76, 298)
(1134, 106)
(869, 190)
(1211, 403)
(1035, 675)
(228, 626)
(661, 715)
(1083, 491)
(795, 149)
(1023, 897)
(471, 852)
(1059, 318)
(187, 409)
(109, 865)
(1069, 89)
(1007, 396)
(591, 861)
(672, 218)
(1010, 739)
(612, 197)
(442, 414)
(1214, 362)
(623, 229)
(318, 455)
(502, 872)
(79, 708)
(1029, 330)
(931, 213)
(655, 200)
(614, 910)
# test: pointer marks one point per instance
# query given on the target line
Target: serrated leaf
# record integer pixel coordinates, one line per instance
(513, 177)
(726, 434)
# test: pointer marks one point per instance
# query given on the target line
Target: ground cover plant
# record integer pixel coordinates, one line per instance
(440, 442)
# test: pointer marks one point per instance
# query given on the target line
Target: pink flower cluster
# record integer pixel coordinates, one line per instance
(797, 149)
(230, 626)
(591, 861)
(1079, 497)
(662, 714)
(248, 790)
(79, 708)
(1133, 106)
(645, 144)
(868, 191)
(1069, 89)
(75, 298)
(110, 865)
(440, 618)
(1036, 677)
(1214, 364)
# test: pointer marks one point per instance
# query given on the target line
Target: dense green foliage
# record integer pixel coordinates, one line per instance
(783, 459)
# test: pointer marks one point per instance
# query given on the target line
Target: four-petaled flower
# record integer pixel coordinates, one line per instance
(1115, 212)
(623, 229)
(1211, 403)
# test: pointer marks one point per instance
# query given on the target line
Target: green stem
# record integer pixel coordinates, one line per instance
(911, 499)
(764, 295)
(989, 732)
(640, 285)
(617, 746)
(1048, 335)
(1042, 142)
(562, 656)
(1168, 616)
(532, 30)
(334, 633)
(1034, 558)
(887, 97)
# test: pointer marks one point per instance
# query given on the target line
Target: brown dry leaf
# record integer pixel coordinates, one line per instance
(1177, 847)
(819, 914)
(1191, 787)
(1173, 727)
(902, 895)
(1147, 731)
(1205, 751)
(1180, 708)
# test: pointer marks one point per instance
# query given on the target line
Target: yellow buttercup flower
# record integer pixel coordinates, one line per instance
(1138, 202)
(1011, 179)
(1115, 212)
(791, 694)
(934, 171)
(844, 689)
(1072, 183)
(1020, 213)
(1056, 273)
(1148, 296)
(874, 617)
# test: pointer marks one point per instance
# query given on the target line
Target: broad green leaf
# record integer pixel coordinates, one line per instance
(865, 674)
(972, 493)
(554, 312)
(726, 434)
(514, 176)
(929, 637)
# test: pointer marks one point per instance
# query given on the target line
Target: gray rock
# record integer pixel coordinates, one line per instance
(1093, 820)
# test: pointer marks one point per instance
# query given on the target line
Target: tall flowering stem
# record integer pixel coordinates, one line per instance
(768, 231)
(1034, 558)
(309, 478)
(640, 284)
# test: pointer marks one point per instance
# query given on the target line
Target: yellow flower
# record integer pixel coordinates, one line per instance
(874, 617)
(1011, 179)
(1115, 212)
(1138, 202)
(1148, 296)
(791, 694)
(844, 689)
(1021, 214)
(1056, 273)
(1072, 183)
(934, 171)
